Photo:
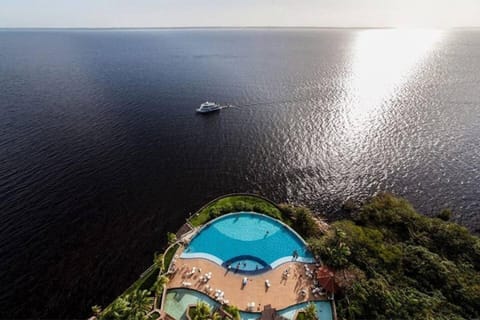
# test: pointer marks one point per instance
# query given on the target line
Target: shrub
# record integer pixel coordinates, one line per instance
(301, 220)
(171, 237)
(201, 311)
(331, 248)
(415, 267)
(445, 214)
(233, 311)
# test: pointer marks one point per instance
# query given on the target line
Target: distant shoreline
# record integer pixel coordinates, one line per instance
(235, 27)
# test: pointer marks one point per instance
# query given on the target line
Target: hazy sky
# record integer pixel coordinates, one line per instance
(183, 13)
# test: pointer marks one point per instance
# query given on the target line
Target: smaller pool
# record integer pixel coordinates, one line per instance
(178, 300)
(324, 310)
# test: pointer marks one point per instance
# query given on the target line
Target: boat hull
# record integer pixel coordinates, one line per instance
(203, 111)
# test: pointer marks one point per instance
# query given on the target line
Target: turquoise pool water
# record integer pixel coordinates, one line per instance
(249, 241)
(324, 310)
(250, 315)
(177, 301)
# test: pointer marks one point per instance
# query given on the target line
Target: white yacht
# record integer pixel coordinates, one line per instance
(208, 107)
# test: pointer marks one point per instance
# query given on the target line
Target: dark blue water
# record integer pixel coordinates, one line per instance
(101, 152)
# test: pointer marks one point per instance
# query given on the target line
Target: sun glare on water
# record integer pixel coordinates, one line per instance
(382, 62)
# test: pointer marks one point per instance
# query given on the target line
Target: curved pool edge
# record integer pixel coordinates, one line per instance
(202, 255)
(220, 262)
(286, 259)
(276, 263)
(296, 306)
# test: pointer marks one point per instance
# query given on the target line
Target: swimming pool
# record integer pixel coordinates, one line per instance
(247, 242)
(324, 310)
(178, 300)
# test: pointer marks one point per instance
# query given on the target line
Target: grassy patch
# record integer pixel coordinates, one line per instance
(234, 204)
(167, 258)
(145, 282)
(192, 311)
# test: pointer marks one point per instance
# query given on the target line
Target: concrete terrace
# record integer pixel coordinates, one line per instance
(283, 292)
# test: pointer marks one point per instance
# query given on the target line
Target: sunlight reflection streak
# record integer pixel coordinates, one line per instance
(382, 62)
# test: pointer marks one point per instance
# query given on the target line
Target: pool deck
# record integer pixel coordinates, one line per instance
(281, 294)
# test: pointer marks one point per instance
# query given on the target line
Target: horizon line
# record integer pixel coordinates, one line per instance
(246, 27)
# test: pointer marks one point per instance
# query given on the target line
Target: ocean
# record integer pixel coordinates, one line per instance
(102, 153)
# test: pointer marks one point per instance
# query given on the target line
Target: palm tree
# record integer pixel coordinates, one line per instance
(140, 303)
(310, 312)
(233, 311)
(201, 311)
(337, 257)
(96, 310)
(158, 286)
(118, 310)
(158, 261)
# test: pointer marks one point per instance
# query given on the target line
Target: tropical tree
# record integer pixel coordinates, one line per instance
(96, 310)
(216, 316)
(118, 310)
(158, 286)
(332, 248)
(158, 261)
(233, 311)
(310, 312)
(337, 257)
(201, 311)
(171, 237)
(140, 303)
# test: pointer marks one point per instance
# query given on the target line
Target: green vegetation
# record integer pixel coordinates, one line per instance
(232, 204)
(145, 282)
(96, 310)
(158, 261)
(308, 313)
(158, 286)
(233, 311)
(405, 265)
(169, 256)
(202, 311)
(300, 315)
(445, 214)
(332, 248)
(153, 316)
(133, 306)
(300, 219)
(151, 281)
(171, 238)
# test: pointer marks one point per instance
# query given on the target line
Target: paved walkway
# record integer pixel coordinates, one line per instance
(281, 294)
